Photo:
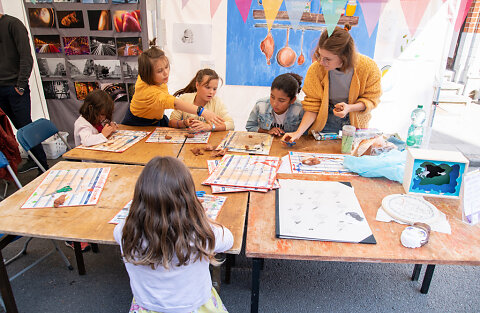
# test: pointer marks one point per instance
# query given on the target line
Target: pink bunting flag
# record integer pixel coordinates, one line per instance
(271, 7)
(184, 3)
(295, 9)
(462, 13)
(413, 10)
(214, 6)
(372, 10)
(244, 7)
(332, 10)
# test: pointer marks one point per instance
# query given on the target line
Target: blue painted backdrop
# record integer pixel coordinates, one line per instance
(246, 63)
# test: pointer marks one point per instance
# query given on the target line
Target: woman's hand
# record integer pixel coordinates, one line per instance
(291, 137)
(341, 109)
(107, 130)
(212, 117)
(275, 131)
(199, 126)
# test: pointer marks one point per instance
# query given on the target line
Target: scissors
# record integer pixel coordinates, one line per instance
(200, 193)
(63, 189)
(288, 143)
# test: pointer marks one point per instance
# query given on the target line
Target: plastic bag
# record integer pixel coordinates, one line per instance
(390, 165)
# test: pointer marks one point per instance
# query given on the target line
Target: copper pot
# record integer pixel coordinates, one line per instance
(286, 56)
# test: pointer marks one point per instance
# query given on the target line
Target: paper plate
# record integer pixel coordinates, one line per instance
(409, 209)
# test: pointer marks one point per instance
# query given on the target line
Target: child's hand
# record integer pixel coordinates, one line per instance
(108, 130)
(276, 131)
(188, 122)
(212, 117)
(341, 109)
(114, 126)
(291, 136)
(199, 126)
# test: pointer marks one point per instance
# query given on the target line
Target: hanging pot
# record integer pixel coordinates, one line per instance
(286, 56)
(267, 46)
(301, 58)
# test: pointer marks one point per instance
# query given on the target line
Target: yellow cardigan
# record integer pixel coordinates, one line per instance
(150, 101)
(365, 87)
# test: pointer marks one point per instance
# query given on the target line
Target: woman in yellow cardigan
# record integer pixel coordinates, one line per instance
(341, 87)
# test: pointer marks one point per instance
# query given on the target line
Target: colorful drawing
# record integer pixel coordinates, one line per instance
(330, 164)
(120, 141)
(437, 177)
(47, 43)
(79, 186)
(285, 47)
(172, 135)
(76, 45)
(247, 142)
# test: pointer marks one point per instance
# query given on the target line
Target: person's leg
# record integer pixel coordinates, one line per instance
(20, 115)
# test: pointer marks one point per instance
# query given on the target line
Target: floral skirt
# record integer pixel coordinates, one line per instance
(213, 305)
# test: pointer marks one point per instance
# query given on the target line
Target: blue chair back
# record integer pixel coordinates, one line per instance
(3, 160)
(34, 133)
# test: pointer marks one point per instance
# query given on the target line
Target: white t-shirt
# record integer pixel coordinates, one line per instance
(178, 289)
(279, 119)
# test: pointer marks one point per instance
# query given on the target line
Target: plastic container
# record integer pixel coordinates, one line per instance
(54, 146)
(348, 133)
(415, 131)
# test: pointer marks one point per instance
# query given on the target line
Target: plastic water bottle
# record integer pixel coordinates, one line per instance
(415, 131)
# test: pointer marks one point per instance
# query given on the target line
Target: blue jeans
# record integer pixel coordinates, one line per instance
(18, 109)
(132, 120)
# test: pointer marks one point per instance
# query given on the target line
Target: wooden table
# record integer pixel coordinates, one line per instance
(90, 223)
(140, 153)
(462, 247)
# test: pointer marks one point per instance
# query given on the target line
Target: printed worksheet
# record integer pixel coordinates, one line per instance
(247, 142)
(119, 141)
(328, 164)
(174, 135)
(78, 186)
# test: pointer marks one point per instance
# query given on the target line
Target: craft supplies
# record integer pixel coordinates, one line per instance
(179, 136)
(64, 189)
(415, 236)
(325, 136)
(119, 141)
(247, 142)
(329, 164)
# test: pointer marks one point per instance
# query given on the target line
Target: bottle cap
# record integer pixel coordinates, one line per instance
(420, 106)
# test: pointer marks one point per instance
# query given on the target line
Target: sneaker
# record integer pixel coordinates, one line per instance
(85, 246)
(27, 166)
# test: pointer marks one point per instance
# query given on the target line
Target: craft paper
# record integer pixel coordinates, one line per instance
(271, 8)
(471, 197)
(243, 7)
(295, 9)
(330, 164)
(214, 6)
(371, 13)
(177, 136)
(247, 142)
(413, 10)
(120, 141)
(332, 10)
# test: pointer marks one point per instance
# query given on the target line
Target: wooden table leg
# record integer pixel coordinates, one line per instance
(416, 272)
(256, 265)
(94, 247)
(229, 263)
(79, 258)
(5, 287)
(427, 278)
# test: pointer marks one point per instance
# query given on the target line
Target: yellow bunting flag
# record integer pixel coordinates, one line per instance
(271, 8)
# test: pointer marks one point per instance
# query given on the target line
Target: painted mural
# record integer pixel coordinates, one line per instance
(255, 56)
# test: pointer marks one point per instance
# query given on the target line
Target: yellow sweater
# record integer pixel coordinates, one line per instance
(149, 101)
(365, 87)
(215, 105)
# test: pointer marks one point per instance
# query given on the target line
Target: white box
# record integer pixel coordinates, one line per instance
(434, 173)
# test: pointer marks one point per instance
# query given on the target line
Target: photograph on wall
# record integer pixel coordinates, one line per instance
(124, 1)
(76, 1)
(83, 88)
(288, 46)
(117, 91)
(42, 17)
(99, 19)
(131, 90)
(76, 45)
(192, 38)
(127, 21)
(94, 1)
(103, 46)
(52, 67)
(56, 89)
(129, 46)
(81, 68)
(108, 69)
(47, 44)
(39, 1)
(130, 69)
(70, 19)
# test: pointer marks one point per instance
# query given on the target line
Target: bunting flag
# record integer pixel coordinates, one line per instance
(214, 6)
(462, 13)
(244, 7)
(332, 10)
(271, 8)
(371, 13)
(295, 9)
(413, 11)
(184, 3)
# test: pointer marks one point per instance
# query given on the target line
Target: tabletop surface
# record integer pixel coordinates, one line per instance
(90, 223)
(462, 247)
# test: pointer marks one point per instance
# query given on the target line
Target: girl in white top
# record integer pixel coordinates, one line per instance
(201, 92)
(94, 125)
(167, 243)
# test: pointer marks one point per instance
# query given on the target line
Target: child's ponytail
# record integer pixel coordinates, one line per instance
(191, 87)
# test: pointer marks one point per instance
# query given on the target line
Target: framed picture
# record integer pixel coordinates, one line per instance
(57, 89)
(99, 19)
(434, 173)
(70, 19)
(42, 17)
(47, 44)
(76, 45)
(52, 67)
(103, 46)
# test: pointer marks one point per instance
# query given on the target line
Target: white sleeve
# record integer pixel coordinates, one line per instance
(223, 238)
(87, 138)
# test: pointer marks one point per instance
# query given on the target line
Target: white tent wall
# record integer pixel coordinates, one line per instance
(39, 105)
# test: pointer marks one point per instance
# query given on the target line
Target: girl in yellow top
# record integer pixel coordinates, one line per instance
(341, 87)
(201, 92)
(151, 96)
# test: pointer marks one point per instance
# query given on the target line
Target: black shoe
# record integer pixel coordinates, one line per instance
(27, 166)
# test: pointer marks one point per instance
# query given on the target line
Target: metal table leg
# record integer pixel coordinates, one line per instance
(427, 278)
(79, 258)
(416, 272)
(256, 265)
(5, 287)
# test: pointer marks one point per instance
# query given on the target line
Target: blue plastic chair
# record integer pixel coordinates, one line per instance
(34, 133)
(4, 164)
